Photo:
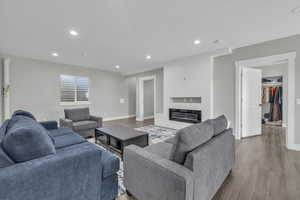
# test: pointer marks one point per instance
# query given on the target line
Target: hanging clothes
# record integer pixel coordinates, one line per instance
(265, 95)
(276, 104)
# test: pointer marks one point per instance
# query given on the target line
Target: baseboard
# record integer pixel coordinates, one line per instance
(284, 125)
(149, 117)
(295, 147)
(116, 118)
(139, 119)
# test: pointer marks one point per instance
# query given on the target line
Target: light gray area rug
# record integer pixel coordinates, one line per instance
(156, 134)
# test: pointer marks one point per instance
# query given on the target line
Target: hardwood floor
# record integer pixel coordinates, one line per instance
(264, 168)
(130, 122)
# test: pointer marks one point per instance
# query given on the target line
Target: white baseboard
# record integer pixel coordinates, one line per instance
(284, 125)
(116, 118)
(139, 119)
(295, 147)
(149, 117)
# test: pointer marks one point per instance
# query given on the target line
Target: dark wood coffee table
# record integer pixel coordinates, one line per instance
(117, 137)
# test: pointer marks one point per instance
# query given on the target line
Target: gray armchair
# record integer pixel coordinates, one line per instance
(80, 120)
(191, 166)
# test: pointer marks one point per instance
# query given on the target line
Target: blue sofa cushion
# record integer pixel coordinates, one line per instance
(68, 140)
(60, 131)
(78, 114)
(5, 161)
(111, 164)
(49, 125)
(26, 139)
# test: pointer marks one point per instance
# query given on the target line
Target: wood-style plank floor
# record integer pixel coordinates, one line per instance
(130, 122)
(264, 168)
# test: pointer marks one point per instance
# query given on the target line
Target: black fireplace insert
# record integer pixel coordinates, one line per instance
(184, 115)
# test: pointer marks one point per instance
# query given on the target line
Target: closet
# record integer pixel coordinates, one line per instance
(272, 100)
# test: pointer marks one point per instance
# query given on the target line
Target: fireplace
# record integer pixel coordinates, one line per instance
(183, 115)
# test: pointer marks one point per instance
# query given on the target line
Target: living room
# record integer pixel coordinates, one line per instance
(114, 89)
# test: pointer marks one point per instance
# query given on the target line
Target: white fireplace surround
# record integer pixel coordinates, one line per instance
(190, 79)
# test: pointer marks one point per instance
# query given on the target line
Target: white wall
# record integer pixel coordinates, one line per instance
(190, 77)
(148, 98)
(35, 86)
(1, 86)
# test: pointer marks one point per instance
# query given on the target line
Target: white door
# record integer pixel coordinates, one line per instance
(251, 102)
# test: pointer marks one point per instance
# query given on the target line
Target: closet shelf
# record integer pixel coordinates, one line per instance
(271, 84)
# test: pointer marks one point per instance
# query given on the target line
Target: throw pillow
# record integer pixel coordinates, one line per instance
(26, 139)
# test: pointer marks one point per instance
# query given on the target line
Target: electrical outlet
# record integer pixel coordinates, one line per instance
(298, 101)
(122, 101)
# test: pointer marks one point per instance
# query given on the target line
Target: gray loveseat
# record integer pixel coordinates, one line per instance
(80, 120)
(190, 166)
(44, 162)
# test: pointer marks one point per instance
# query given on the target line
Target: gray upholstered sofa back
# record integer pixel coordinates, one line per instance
(77, 114)
(211, 163)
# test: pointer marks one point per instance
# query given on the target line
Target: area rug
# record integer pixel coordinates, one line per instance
(156, 134)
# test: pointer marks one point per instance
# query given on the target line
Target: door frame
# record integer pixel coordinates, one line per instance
(264, 61)
(6, 89)
(140, 94)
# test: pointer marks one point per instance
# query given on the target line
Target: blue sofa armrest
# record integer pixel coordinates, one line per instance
(49, 125)
(74, 172)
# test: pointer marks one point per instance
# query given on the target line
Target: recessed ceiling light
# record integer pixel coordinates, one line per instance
(148, 57)
(196, 42)
(216, 41)
(54, 54)
(73, 32)
(117, 66)
(296, 10)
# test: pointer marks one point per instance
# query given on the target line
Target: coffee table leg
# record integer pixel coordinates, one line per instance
(122, 149)
(108, 139)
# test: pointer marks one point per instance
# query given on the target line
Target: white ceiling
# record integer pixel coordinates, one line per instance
(122, 32)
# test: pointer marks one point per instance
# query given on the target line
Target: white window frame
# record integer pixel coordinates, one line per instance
(75, 103)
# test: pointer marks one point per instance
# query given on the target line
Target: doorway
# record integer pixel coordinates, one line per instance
(242, 116)
(149, 99)
(146, 98)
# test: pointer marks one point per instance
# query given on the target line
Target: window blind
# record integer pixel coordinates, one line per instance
(82, 88)
(67, 88)
(74, 89)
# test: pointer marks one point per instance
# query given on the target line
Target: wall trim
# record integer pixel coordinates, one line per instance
(119, 117)
(295, 147)
(140, 95)
(149, 117)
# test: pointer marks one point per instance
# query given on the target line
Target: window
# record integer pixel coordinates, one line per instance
(74, 90)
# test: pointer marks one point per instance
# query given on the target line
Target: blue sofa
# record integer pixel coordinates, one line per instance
(58, 165)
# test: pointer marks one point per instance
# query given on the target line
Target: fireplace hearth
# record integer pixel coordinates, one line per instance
(184, 115)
